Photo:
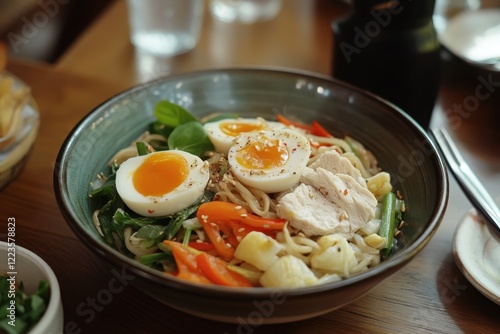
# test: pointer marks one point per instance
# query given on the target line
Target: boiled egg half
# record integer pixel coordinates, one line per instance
(223, 132)
(161, 183)
(269, 160)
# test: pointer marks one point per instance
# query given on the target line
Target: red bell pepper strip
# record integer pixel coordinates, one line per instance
(201, 267)
(314, 129)
(215, 269)
(319, 130)
(288, 122)
(201, 246)
(185, 260)
(234, 222)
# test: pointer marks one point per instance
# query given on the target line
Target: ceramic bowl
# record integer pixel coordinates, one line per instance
(16, 145)
(467, 28)
(30, 269)
(401, 146)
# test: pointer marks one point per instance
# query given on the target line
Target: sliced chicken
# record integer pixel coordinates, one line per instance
(326, 203)
(332, 161)
(308, 210)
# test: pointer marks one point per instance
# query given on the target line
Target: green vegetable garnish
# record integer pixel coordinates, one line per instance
(172, 115)
(388, 222)
(142, 148)
(29, 308)
(190, 137)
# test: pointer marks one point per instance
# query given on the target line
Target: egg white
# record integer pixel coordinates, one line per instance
(223, 141)
(278, 178)
(177, 199)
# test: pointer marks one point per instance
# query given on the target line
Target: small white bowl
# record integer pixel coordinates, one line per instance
(31, 269)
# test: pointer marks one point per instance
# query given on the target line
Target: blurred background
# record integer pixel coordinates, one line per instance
(92, 38)
(53, 29)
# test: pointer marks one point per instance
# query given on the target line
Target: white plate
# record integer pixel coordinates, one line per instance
(473, 35)
(476, 248)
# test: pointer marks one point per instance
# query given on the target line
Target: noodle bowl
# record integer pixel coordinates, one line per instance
(340, 108)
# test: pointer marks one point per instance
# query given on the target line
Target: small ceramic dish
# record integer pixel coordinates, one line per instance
(30, 269)
(471, 36)
(476, 248)
(16, 145)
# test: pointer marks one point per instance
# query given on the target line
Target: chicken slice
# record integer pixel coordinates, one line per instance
(308, 210)
(326, 203)
(333, 162)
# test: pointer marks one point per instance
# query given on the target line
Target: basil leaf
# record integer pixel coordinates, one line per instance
(172, 114)
(190, 137)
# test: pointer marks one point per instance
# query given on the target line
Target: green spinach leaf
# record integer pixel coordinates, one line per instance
(171, 114)
(190, 137)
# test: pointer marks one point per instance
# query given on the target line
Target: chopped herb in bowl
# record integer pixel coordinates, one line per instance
(20, 311)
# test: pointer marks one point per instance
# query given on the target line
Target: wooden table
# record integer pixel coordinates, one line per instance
(429, 295)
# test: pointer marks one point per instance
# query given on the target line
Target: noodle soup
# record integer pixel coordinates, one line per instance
(247, 202)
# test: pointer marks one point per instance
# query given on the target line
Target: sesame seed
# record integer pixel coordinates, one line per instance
(244, 215)
(238, 207)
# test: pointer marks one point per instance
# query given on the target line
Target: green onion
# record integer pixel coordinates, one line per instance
(29, 307)
(143, 148)
(150, 259)
(388, 222)
(187, 235)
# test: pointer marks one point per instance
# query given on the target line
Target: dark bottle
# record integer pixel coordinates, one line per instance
(391, 49)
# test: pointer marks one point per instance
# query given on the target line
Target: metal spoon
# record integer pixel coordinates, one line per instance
(466, 178)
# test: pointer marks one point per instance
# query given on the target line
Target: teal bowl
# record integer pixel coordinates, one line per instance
(401, 146)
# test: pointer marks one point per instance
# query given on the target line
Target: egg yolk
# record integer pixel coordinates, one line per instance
(160, 173)
(265, 154)
(234, 129)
